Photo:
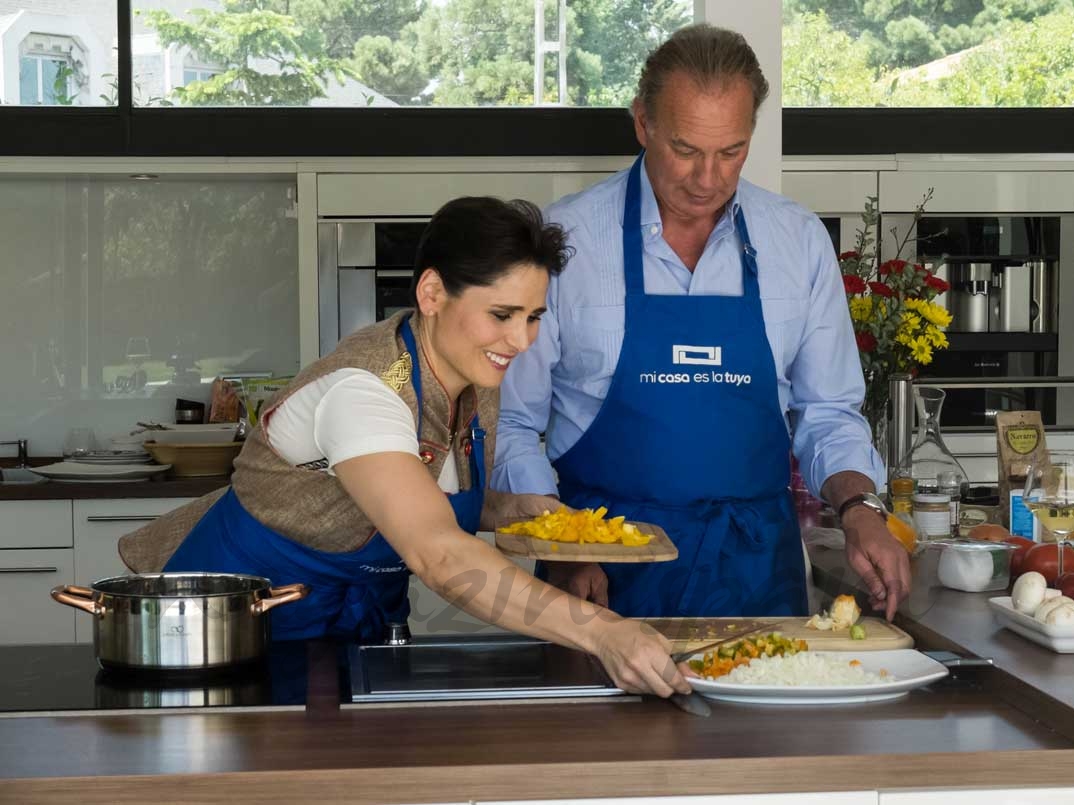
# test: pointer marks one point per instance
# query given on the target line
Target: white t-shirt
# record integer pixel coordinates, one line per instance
(346, 414)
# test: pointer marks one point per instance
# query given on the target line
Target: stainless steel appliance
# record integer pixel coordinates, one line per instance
(179, 621)
(970, 297)
(1044, 296)
(364, 271)
(467, 667)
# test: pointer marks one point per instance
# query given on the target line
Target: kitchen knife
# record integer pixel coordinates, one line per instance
(683, 656)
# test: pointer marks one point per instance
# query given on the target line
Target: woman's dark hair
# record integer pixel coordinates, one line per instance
(475, 240)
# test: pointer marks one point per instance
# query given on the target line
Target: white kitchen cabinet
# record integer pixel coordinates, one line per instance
(1021, 796)
(98, 525)
(35, 524)
(27, 613)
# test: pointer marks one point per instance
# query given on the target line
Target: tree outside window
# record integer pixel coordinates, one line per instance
(923, 53)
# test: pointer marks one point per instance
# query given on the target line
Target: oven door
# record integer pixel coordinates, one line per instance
(975, 408)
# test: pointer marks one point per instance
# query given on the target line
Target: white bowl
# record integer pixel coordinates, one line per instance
(220, 433)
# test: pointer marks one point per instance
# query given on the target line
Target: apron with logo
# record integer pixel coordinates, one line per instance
(351, 594)
(691, 437)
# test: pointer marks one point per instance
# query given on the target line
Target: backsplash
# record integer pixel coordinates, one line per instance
(118, 296)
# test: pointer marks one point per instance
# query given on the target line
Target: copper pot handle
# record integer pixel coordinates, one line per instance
(279, 595)
(79, 598)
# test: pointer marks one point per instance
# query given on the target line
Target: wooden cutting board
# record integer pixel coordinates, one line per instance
(659, 549)
(686, 634)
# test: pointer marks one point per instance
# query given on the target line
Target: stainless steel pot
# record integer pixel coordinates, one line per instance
(177, 621)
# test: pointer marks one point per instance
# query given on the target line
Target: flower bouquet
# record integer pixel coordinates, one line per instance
(897, 325)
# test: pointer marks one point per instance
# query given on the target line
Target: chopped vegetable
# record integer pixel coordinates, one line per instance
(731, 655)
(857, 632)
(582, 525)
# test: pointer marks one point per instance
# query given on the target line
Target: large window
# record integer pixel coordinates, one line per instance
(402, 53)
(924, 53)
(64, 51)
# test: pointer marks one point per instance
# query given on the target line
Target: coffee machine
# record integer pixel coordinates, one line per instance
(1003, 271)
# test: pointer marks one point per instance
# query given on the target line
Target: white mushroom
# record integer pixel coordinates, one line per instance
(1060, 615)
(1028, 592)
(1049, 605)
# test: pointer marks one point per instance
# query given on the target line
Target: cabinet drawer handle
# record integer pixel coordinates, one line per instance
(29, 570)
(123, 518)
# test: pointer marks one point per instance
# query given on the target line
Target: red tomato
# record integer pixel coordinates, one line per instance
(1065, 584)
(1018, 556)
(1045, 560)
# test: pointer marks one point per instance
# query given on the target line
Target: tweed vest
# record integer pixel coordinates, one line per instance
(305, 503)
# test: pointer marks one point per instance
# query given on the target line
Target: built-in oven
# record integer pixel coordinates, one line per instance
(364, 272)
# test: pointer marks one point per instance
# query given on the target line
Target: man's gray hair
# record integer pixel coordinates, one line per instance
(712, 57)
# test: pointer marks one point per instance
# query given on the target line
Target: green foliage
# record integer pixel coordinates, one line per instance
(994, 52)
(268, 58)
(823, 66)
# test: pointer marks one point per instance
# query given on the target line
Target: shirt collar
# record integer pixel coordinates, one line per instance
(650, 211)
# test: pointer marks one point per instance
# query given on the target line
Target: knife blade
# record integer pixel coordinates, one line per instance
(683, 656)
(691, 703)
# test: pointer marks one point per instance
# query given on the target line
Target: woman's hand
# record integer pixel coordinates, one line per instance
(638, 659)
(502, 507)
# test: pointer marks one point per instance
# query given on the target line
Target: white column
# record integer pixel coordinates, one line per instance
(761, 22)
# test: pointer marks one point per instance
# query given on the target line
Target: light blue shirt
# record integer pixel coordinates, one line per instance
(557, 386)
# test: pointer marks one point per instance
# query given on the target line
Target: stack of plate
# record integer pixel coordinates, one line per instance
(111, 457)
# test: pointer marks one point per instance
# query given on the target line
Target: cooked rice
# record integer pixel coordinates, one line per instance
(804, 668)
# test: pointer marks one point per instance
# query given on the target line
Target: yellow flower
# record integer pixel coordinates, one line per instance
(930, 311)
(861, 308)
(910, 322)
(937, 337)
(921, 350)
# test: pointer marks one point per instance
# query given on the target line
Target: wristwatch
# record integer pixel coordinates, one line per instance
(869, 500)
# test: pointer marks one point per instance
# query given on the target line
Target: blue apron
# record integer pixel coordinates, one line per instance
(691, 436)
(351, 594)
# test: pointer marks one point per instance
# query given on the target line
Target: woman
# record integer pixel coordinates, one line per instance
(371, 464)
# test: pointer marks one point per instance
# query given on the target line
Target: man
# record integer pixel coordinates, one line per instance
(701, 333)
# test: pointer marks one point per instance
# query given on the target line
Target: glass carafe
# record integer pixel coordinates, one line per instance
(929, 463)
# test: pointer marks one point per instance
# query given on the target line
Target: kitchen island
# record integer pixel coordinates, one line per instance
(1006, 727)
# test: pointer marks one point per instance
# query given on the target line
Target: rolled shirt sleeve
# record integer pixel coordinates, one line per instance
(826, 384)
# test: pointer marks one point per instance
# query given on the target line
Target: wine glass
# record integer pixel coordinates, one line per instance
(1049, 495)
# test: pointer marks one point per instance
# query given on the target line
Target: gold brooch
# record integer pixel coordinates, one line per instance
(398, 374)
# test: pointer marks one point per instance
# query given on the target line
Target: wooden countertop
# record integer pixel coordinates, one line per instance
(983, 727)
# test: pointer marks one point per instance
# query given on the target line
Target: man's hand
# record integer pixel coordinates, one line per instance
(584, 580)
(502, 507)
(878, 558)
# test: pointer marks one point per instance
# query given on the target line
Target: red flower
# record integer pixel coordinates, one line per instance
(936, 284)
(853, 283)
(920, 269)
(866, 341)
(880, 289)
(891, 267)
(851, 255)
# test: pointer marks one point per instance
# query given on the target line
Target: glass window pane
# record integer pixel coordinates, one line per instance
(45, 34)
(460, 53)
(919, 53)
(28, 81)
(119, 296)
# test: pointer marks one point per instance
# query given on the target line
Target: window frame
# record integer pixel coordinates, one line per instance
(126, 131)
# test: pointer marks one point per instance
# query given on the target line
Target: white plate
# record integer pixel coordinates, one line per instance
(910, 669)
(73, 471)
(218, 433)
(1059, 638)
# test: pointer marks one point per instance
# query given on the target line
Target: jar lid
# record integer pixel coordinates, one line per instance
(921, 497)
(902, 486)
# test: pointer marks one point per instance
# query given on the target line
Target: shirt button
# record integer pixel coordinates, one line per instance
(654, 229)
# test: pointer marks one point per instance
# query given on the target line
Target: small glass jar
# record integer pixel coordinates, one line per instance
(932, 515)
(902, 495)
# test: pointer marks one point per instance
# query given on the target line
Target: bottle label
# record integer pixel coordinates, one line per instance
(932, 524)
(1023, 524)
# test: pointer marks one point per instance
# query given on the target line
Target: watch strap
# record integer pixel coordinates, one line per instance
(858, 500)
